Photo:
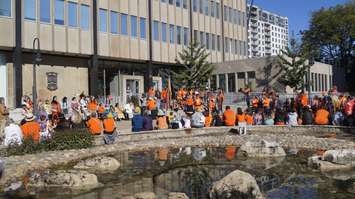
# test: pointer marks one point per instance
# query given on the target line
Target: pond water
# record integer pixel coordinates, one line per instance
(193, 170)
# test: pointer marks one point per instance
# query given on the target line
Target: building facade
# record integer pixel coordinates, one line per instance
(258, 73)
(109, 47)
(267, 33)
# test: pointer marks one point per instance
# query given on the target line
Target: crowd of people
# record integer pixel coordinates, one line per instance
(185, 108)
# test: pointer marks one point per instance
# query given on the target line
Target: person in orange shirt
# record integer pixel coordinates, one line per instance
(266, 102)
(164, 98)
(109, 129)
(322, 117)
(208, 119)
(198, 102)
(303, 100)
(94, 124)
(92, 106)
(220, 99)
(240, 117)
(255, 103)
(151, 92)
(151, 104)
(162, 120)
(211, 103)
(229, 117)
(101, 110)
(189, 103)
(31, 129)
(248, 117)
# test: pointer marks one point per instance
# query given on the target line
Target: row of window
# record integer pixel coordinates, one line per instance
(119, 23)
(235, 46)
(177, 3)
(176, 33)
(234, 16)
(5, 8)
(77, 14)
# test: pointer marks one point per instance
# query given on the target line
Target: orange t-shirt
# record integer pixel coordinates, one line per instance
(255, 103)
(94, 126)
(109, 125)
(322, 116)
(31, 130)
(240, 118)
(189, 101)
(229, 117)
(304, 100)
(249, 119)
(164, 94)
(266, 102)
(161, 122)
(208, 120)
(101, 109)
(198, 102)
(151, 104)
(92, 106)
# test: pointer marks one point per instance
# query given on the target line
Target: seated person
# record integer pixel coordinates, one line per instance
(162, 120)
(137, 120)
(229, 117)
(258, 117)
(198, 119)
(208, 118)
(280, 117)
(292, 117)
(147, 121)
(31, 129)
(109, 125)
(338, 119)
(268, 118)
(218, 119)
(248, 117)
(13, 134)
(241, 121)
(94, 124)
(307, 116)
(322, 117)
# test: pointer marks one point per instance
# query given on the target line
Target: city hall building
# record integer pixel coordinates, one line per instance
(112, 47)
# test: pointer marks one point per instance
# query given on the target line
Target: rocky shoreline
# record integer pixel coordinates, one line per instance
(17, 167)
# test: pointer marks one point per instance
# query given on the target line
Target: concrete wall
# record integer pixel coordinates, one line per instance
(71, 81)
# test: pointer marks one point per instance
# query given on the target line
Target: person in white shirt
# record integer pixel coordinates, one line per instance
(13, 134)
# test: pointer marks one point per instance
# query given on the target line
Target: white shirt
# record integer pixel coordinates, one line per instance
(13, 135)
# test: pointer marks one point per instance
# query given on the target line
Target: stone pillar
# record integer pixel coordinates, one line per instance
(226, 82)
(217, 81)
(236, 82)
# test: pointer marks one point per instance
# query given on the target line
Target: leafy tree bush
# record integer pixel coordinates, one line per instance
(63, 140)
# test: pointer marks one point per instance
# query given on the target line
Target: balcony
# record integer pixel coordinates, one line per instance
(254, 43)
(254, 25)
(268, 47)
(267, 40)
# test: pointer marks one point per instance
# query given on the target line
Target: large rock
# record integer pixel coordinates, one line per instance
(261, 148)
(101, 164)
(316, 162)
(64, 179)
(237, 184)
(145, 195)
(343, 156)
(177, 195)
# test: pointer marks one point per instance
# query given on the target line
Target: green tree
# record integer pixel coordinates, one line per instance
(196, 69)
(293, 65)
(331, 38)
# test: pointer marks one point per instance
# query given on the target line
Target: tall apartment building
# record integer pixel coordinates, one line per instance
(112, 47)
(267, 33)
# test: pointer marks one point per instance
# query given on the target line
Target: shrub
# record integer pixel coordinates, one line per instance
(62, 140)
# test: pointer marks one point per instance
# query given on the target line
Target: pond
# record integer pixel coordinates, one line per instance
(192, 170)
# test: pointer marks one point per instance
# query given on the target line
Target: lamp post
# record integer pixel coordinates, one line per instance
(36, 59)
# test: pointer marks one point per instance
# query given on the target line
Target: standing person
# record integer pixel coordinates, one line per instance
(246, 91)
(109, 126)
(94, 124)
(31, 129)
(255, 103)
(13, 134)
(164, 99)
(65, 108)
(189, 104)
(137, 120)
(3, 114)
(211, 102)
(229, 117)
(161, 120)
(220, 100)
(349, 111)
(241, 121)
(56, 111)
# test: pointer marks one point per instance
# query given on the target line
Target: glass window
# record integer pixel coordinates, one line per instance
(163, 1)
(172, 33)
(30, 9)
(133, 26)
(235, 17)
(208, 41)
(114, 22)
(178, 34)
(201, 6)
(171, 2)
(103, 20)
(219, 43)
(230, 15)
(194, 5)
(184, 4)
(72, 14)
(156, 30)
(226, 45)
(195, 35)
(84, 17)
(231, 82)
(178, 3)
(212, 8)
(142, 28)
(124, 29)
(213, 82)
(163, 32)
(213, 42)
(59, 12)
(186, 36)
(45, 11)
(225, 13)
(239, 18)
(202, 38)
(5, 8)
(222, 81)
(217, 9)
(206, 5)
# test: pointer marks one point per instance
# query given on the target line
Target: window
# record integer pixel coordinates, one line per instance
(163, 32)
(184, 4)
(172, 33)
(72, 14)
(202, 39)
(219, 43)
(156, 30)
(206, 5)
(226, 45)
(114, 22)
(171, 2)
(194, 5)
(59, 12)
(213, 42)
(45, 8)
(231, 82)
(103, 20)
(5, 8)
(212, 8)
(124, 29)
(222, 81)
(142, 28)
(178, 3)
(230, 15)
(236, 48)
(30, 9)
(225, 13)
(213, 82)
(239, 18)
(186, 36)
(84, 17)
(208, 41)
(196, 36)
(178, 34)
(201, 6)
(134, 26)
(235, 17)
(217, 10)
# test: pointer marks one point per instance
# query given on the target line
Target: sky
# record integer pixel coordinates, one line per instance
(297, 11)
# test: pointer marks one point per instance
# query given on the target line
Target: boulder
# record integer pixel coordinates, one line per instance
(316, 162)
(101, 164)
(237, 184)
(64, 179)
(343, 156)
(261, 148)
(144, 195)
(177, 195)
